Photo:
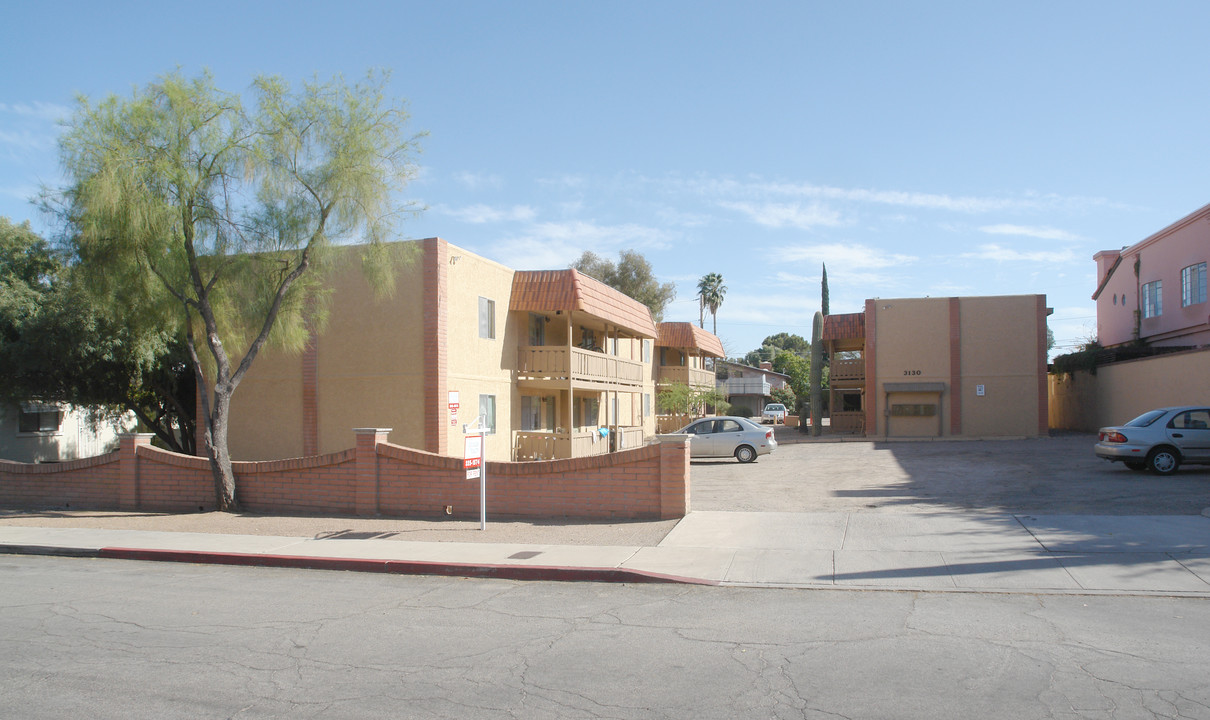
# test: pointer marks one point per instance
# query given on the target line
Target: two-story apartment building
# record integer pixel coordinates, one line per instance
(558, 364)
(685, 354)
(1155, 290)
(940, 367)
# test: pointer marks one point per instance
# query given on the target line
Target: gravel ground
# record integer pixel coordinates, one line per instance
(531, 533)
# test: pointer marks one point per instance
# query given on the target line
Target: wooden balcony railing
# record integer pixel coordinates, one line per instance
(539, 445)
(849, 369)
(847, 423)
(548, 362)
(693, 377)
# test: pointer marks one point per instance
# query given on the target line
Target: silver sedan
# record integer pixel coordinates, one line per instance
(728, 436)
(1159, 440)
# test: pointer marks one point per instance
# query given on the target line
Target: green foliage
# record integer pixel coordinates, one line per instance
(799, 370)
(824, 300)
(816, 375)
(194, 215)
(632, 276)
(786, 397)
(710, 292)
(64, 348)
(679, 398)
(1083, 360)
(774, 345)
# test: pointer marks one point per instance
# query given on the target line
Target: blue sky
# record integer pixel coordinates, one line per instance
(932, 148)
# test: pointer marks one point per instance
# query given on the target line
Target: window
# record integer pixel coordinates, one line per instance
(663, 356)
(588, 411)
(646, 404)
(487, 318)
(537, 329)
(537, 413)
(487, 409)
(1191, 420)
(1153, 299)
(1193, 285)
(646, 351)
(39, 418)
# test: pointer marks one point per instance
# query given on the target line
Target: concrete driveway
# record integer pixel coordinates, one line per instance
(1055, 475)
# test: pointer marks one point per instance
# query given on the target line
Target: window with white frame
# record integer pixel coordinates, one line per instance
(646, 404)
(1193, 285)
(487, 409)
(487, 318)
(646, 351)
(1153, 299)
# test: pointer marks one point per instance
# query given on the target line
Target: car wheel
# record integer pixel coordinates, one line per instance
(1136, 464)
(1163, 461)
(745, 454)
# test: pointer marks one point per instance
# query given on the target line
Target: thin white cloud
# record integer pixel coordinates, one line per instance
(479, 181)
(27, 140)
(1042, 233)
(544, 246)
(779, 215)
(480, 214)
(1003, 254)
(736, 190)
(845, 258)
(38, 110)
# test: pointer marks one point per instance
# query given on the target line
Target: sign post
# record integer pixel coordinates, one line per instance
(473, 453)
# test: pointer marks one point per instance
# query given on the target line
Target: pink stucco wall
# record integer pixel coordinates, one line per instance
(1160, 257)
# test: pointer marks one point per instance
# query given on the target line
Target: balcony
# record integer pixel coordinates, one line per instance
(747, 386)
(554, 367)
(558, 445)
(848, 370)
(693, 377)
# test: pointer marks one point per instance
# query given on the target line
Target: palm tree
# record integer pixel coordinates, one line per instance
(710, 291)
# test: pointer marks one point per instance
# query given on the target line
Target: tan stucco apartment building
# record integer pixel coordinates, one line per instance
(940, 367)
(560, 365)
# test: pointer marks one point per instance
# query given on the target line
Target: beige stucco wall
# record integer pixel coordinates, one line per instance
(370, 370)
(1121, 391)
(997, 347)
(76, 437)
(482, 366)
(1000, 351)
(912, 346)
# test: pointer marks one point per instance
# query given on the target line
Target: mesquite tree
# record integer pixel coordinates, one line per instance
(194, 212)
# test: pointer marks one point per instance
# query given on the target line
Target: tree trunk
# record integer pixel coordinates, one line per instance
(219, 453)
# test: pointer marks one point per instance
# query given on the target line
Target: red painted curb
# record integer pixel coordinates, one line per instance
(401, 567)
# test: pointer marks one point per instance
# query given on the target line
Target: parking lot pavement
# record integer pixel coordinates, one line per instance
(1053, 475)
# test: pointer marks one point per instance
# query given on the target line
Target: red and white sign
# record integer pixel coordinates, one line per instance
(472, 456)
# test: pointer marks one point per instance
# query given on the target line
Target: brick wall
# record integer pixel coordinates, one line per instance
(372, 478)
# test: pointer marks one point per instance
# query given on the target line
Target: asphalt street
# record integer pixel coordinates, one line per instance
(123, 639)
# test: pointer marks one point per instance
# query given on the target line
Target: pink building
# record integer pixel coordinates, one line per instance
(1155, 290)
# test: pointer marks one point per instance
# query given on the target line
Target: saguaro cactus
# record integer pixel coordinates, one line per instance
(816, 376)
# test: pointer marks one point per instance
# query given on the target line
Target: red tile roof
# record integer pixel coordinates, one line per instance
(844, 327)
(568, 290)
(688, 335)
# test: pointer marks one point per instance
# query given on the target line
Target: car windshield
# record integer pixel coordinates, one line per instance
(1145, 419)
(775, 407)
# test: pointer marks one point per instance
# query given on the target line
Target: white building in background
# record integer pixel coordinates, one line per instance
(37, 432)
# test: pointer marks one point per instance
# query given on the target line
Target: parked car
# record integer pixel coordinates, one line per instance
(728, 436)
(774, 413)
(1159, 440)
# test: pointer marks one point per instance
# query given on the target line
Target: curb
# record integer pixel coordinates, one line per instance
(397, 567)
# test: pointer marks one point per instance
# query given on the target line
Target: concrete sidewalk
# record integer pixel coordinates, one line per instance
(1164, 555)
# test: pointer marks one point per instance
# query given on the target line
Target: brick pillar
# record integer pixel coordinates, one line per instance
(674, 476)
(128, 462)
(435, 265)
(365, 494)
